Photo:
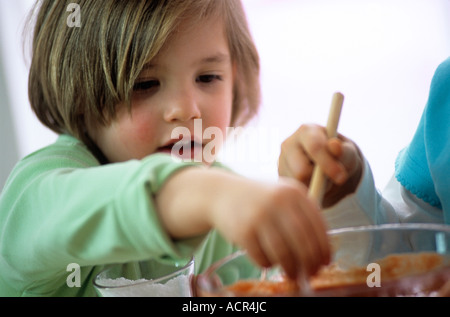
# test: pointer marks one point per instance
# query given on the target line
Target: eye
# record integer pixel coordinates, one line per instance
(145, 85)
(206, 79)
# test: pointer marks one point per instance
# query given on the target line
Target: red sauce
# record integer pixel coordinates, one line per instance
(400, 273)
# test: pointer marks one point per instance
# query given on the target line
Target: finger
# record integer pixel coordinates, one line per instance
(305, 230)
(276, 248)
(347, 153)
(350, 157)
(255, 252)
(317, 229)
(296, 165)
(316, 147)
(250, 243)
(335, 147)
(294, 160)
(298, 237)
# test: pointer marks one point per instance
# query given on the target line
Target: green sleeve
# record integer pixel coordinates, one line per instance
(60, 206)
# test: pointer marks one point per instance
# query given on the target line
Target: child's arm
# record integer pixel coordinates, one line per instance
(275, 223)
(339, 158)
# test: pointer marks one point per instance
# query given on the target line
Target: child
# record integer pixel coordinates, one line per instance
(420, 190)
(115, 86)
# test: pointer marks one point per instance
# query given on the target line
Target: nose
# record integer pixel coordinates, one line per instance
(182, 106)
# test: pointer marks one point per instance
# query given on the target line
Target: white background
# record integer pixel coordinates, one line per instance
(381, 54)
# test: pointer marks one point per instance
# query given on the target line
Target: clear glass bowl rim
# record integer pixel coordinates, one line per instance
(369, 228)
(153, 281)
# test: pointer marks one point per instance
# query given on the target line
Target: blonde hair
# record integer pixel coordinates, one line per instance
(82, 73)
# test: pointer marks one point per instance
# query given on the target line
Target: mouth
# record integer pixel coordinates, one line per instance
(183, 149)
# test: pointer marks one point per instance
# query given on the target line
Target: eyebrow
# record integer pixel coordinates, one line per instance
(213, 59)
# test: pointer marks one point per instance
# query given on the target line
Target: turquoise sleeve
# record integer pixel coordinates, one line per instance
(424, 166)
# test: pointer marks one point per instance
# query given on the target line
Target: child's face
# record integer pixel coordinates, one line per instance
(191, 78)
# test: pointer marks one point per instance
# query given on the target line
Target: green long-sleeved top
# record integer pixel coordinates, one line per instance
(61, 206)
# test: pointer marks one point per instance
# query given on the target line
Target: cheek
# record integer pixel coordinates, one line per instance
(141, 130)
(217, 120)
(219, 117)
(138, 136)
(221, 114)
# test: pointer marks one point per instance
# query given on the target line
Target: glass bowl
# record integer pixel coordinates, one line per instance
(149, 278)
(370, 261)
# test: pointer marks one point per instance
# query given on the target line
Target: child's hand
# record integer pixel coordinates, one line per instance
(339, 159)
(276, 224)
